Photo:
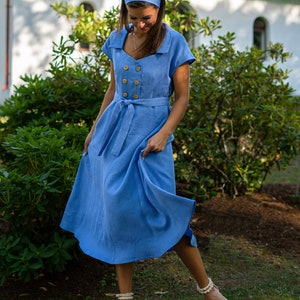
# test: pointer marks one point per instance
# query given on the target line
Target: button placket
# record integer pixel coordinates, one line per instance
(125, 81)
(136, 82)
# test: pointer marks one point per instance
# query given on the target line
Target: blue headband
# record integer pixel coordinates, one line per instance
(154, 2)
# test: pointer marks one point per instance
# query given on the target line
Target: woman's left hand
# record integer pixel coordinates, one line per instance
(156, 143)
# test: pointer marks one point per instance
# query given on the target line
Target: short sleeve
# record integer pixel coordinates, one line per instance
(181, 53)
(106, 49)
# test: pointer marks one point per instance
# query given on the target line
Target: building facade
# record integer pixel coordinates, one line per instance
(28, 27)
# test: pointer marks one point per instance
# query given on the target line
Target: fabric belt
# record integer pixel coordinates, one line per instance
(128, 104)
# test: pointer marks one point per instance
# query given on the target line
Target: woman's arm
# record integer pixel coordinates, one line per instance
(181, 80)
(109, 96)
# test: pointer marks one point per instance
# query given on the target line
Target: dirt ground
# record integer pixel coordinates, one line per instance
(271, 217)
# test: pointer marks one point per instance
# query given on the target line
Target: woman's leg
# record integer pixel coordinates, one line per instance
(193, 261)
(124, 275)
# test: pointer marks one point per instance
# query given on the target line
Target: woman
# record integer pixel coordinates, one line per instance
(123, 206)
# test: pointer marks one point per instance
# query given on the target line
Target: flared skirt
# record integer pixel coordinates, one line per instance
(123, 208)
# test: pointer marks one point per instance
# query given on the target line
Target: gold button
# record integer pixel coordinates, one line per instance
(125, 95)
(124, 80)
(136, 82)
(138, 68)
(126, 68)
(136, 96)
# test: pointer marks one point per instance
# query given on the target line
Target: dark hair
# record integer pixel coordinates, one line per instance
(156, 34)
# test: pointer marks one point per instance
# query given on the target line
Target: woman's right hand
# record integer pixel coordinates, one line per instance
(87, 142)
(108, 98)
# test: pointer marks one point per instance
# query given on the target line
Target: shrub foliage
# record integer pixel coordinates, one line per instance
(241, 121)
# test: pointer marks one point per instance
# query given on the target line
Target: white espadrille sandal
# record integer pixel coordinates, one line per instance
(211, 288)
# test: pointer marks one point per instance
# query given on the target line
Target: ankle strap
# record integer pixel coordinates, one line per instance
(206, 289)
(125, 296)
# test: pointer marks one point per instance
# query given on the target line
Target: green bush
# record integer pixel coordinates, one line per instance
(34, 187)
(242, 119)
(74, 89)
(43, 126)
(70, 96)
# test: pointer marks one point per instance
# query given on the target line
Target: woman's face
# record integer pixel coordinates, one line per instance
(143, 18)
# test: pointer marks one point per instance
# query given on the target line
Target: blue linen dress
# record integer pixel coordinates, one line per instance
(123, 208)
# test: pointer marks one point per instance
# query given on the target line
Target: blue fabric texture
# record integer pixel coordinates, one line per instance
(154, 2)
(123, 208)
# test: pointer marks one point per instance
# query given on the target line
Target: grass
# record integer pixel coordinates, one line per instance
(291, 174)
(241, 269)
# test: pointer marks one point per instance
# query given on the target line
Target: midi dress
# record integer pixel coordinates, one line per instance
(123, 208)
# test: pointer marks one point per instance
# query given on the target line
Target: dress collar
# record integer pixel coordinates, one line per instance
(119, 40)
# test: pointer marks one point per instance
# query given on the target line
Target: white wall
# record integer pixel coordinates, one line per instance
(34, 26)
(238, 16)
(4, 90)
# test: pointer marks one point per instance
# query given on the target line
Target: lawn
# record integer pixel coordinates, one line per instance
(291, 174)
(241, 269)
